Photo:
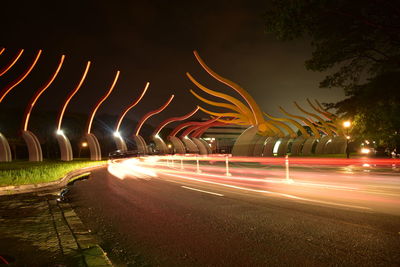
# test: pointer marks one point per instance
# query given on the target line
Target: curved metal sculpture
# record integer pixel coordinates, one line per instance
(140, 142)
(249, 114)
(63, 141)
(94, 146)
(160, 144)
(190, 145)
(34, 149)
(5, 152)
(11, 63)
(119, 141)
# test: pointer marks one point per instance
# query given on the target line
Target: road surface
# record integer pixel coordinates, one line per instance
(161, 215)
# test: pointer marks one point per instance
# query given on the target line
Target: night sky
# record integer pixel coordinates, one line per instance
(153, 41)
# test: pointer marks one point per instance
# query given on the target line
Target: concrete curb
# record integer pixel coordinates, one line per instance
(29, 188)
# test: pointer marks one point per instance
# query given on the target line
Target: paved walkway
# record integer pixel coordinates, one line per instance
(37, 230)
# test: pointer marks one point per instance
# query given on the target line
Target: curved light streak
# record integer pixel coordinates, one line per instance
(325, 126)
(134, 103)
(196, 125)
(11, 63)
(184, 125)
(174, 119)
(90, 121)
(295, 123)
(152, 113)
(256, 111)
(62, 111)
(14, 83)
(199, 132)
(305, 120)
(38, 93)
(2, 50)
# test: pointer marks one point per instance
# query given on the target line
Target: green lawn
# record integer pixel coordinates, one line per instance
(25, 172)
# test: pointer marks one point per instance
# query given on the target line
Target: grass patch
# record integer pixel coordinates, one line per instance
(25, 172)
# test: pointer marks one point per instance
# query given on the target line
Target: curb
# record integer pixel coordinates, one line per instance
(88, 247)
(29, 188)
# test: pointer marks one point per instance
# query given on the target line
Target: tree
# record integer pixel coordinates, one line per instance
(359, 42)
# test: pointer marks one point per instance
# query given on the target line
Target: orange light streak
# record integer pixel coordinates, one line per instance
(134, 103)
(196, 125)
(39, 93)
(2, 50)
(61, 114)
(170, 120)
(151, 113)
(14, 83)
(89, 128)
(12, 62)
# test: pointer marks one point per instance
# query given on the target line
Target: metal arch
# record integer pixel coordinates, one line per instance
(152, 113)
(90, 121)
(11, 63)
(134, 103)
(14, 83)
(38, 93)
(173, 119)
(73, 92)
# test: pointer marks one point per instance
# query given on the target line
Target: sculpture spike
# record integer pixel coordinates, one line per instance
(309, 124)
(322, 121)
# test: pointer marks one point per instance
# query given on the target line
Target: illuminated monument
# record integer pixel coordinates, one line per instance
(272, 137)
(94, 146)
(5, 153)
(140, 142)
(119, 140)
(34, 148)
(62, 139)
(160, 143)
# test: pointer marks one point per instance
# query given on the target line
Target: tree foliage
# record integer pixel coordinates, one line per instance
(359, 42)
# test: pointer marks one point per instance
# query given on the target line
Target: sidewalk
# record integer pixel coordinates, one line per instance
(36, 230)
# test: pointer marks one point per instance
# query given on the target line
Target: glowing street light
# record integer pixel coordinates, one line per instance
(84, 144)
(346, 125)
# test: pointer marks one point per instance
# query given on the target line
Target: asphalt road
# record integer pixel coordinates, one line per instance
(165, 220)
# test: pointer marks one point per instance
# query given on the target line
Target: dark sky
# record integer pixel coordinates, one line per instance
(153, 41)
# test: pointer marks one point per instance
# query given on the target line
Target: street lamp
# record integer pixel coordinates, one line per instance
(346, 125)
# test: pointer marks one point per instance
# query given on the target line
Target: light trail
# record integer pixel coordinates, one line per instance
(359, 190)
(71, 95)
(134, 103)
(90, 121)
(14, 83)
(11, 63)
(152, 113)
(203, 191)
(38, 93)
